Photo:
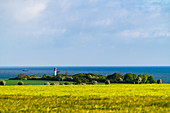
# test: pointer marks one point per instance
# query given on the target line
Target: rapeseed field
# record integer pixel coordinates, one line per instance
(86, 98)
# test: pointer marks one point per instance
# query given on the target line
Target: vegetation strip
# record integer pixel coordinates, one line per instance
(91, 78)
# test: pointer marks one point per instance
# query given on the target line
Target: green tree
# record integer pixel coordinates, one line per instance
(114, 77)
(151, 79)
(141, 76)
(58, 73)
(59, 78)
(89, 77)
(44, 76)
(32, 76)
(120, 80)
(134, 76)
(22, 76)
(128, 77)
(48, 76)
(145, 78)
(81, 80)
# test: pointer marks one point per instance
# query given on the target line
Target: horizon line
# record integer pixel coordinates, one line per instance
(86, 66)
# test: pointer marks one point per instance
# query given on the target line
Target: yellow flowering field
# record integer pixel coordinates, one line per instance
(86, 98)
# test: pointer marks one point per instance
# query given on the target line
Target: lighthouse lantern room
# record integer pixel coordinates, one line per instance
(55, 71)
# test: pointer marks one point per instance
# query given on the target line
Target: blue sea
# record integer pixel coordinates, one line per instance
(161, 72)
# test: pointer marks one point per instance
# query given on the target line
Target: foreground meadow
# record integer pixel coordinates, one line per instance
(86, 98)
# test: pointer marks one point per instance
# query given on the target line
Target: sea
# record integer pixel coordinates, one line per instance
(158, 72)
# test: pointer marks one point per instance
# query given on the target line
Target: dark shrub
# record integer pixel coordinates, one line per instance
(20, 83)
(74, 83)
(54, 83)
(2, 83)
(60, 78)
(107, 82)
(159, 81)
(68, 78)
(12, 78)
(46, 83)
(81, 80)
(66, 83)
(94, 82)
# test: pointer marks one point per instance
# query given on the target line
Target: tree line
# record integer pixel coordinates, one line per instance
(91, 77)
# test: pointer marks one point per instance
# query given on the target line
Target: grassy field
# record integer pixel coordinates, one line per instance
(30, 82)
(37, 82)
(86, 98)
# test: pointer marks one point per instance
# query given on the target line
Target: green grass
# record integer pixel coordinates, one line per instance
(31, 82)
(39, 82)
(3, 79)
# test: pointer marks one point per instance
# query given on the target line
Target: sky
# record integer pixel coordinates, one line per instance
(84, 32)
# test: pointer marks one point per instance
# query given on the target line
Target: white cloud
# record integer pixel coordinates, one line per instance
(128, 33)
(93, 1)
(46, 31)
(114, 4)
(143, 34)
(104, 22)
(162, 34)
(155, 8)
(64, 5)
(109, 17)
(24, 10)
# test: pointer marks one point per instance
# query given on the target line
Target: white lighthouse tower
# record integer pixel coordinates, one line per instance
(55, 71)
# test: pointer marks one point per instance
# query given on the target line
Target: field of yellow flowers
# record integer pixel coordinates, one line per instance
(86, 98)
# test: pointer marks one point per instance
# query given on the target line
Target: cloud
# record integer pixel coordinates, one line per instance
(64, 5)
(92, 17)
(114, 4)
(103, 27)
(104, 22)
(24, 10)
(143, 34)
(46, 31)
(93, 1)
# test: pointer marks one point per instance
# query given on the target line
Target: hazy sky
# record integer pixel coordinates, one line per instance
(84, 32)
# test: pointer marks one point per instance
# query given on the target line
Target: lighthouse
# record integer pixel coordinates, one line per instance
(55, 71)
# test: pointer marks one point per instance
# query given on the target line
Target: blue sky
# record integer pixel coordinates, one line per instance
(84, 32)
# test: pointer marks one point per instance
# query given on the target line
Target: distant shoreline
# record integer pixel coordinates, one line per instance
(96, 66)
(158, 72)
